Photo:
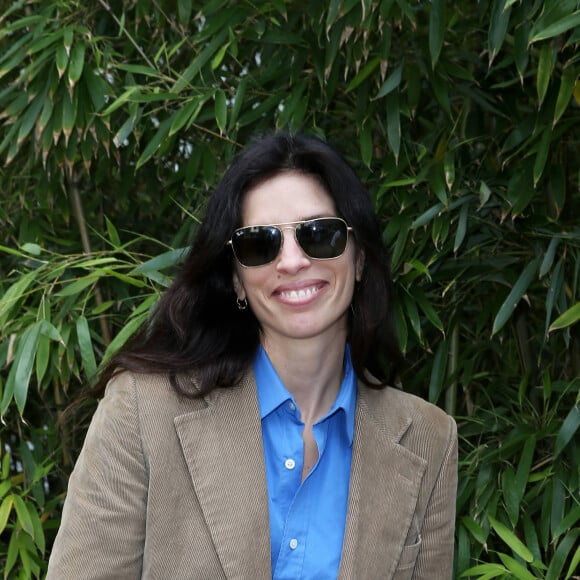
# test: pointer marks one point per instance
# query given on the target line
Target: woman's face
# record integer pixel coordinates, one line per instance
(295, 296)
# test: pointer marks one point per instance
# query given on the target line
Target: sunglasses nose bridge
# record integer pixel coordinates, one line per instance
(297, 248)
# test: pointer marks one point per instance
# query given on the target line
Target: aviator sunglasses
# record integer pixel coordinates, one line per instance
(320, 238)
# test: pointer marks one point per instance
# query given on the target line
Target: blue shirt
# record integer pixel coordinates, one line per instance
(307, 519)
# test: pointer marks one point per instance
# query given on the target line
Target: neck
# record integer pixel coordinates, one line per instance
(312, 370)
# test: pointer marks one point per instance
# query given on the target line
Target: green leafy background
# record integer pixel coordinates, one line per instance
(461, 116)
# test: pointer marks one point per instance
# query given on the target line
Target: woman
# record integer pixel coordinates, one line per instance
(248, 431)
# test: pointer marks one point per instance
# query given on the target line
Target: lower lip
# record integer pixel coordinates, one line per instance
(300, 300)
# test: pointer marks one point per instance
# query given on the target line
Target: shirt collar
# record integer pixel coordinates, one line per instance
(272, 393)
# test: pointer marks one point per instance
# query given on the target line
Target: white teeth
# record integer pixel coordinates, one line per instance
(299, 294)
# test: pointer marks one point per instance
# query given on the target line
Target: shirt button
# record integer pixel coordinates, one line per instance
(293, 543)
(290, 464)
(291, 406)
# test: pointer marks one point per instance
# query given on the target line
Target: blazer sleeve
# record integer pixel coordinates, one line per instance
(435, 558)
(102, 531)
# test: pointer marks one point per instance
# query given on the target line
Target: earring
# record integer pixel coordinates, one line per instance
(242, 303)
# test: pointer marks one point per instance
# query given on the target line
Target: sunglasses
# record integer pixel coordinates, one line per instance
(320, 238)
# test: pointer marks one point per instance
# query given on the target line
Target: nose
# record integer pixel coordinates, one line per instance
(292, 258)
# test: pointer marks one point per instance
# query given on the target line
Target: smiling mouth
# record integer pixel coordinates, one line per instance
(299, 294)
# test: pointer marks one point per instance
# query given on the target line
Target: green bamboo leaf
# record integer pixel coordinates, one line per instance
(238, 102)
(498, 25)
(559, 499)
(511, 540)
(569, 428)
(184, 8)
(568, 318)
(524, 466)
(542, 155)
(484, 194)
(485, 571)
(29, 117)
(561, 555)
(394, 124)
(220, 110)
(186, 115)
(401, 326)
(69, 113)
(12, 554)
(427, 216)
(561, 26)
(140, 69)
(5, 510)
(567, 82)
(21, 371)
(515, 295)
(124, 335)
(201, 60)
(38, 530)
(569, 521)
(86, 347)
(438, 372)
(437, 23)
(76, 63)
(5, 470)
(219, 57)
(393, 82)
(554, 291)
(24, 518)
(77, 286)
(97, 88)
(127, 96)
(365, 72)
(544, 73)
(511, 495)
(429, 311)
(366, 145)
(461, 227)
(437, 184)
(474, 529)
(549, 256)
(113, 238)
(521, 48)
(574, 564)
(154, 144)
(42, 357)
(412, 315)
(332, 14)
(162, 262)
(61, 57)
(517, 569)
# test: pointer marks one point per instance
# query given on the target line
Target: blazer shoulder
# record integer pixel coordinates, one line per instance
(409, 417)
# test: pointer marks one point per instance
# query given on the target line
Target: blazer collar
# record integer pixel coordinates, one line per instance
(384, 486)
(222, 445)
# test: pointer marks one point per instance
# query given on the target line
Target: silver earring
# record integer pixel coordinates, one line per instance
(242, 303)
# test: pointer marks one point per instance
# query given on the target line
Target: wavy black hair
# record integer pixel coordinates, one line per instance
(197, 327)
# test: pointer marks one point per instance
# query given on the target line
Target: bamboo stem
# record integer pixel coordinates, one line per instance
(80, 217)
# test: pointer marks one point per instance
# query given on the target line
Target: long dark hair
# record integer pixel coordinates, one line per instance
(197, 326)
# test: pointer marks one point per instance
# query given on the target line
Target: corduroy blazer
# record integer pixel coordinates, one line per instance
(168, 487)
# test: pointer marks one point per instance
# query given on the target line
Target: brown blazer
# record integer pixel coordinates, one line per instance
(172, 488)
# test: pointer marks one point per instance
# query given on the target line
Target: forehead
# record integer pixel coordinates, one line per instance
(286, 197)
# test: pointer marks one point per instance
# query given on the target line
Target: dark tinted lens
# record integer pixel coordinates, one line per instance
(256, 246)
(323, 238)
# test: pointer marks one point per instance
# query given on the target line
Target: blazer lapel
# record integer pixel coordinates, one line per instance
(222, 445)
(384, 487)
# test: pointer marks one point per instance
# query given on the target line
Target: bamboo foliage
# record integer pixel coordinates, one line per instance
(462, 118)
